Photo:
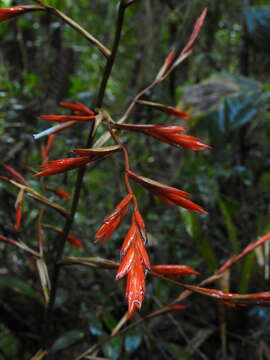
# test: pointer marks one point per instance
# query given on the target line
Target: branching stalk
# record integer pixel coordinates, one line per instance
(46, 338)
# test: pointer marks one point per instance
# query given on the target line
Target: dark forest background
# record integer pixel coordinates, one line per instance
(225, 85)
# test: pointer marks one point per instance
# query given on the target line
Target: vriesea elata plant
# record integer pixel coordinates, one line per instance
(134, 264)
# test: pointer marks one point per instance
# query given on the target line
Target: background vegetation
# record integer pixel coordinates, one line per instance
(225, 85)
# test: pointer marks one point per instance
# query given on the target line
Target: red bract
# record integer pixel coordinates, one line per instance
(171, 62)
(78, 108)
(45, 149)
(166, 109)
(62, 165)
(18, 215)
(97, 153)
(173, 270)
(62, 194)
(140, 225)
(113, 220)
(166, 66)
(176, 112)
(9, 13)
(14, 174)
(126, 262)
(135, 286)
(65, 118)
(82, 113)
(129, 238)
(196, 30)
(18, 207)
(168, 134)
(74, 241)
(134, 237)
(166, 193)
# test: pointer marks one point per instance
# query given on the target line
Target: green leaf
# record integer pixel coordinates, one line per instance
(178, 351)
(68, 339)
(95, 326)
(246, 273)
(113, 349)
(8, 342)
(258, 25)
(21, 287)
(194, 229)
(132, 340)
(234, 111)
(231, 229)
(109, 320)
(5, 3)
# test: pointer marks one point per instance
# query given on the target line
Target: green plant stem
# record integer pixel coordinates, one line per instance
(75, 200)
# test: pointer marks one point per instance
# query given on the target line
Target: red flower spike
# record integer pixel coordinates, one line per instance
(62, 194)
(173, 270)
(66, 118)
(14, 174)
(9, 13)
(197, 28)
(113, 220)
(126, 263)
(62, 165)
(166, 193)
(167, 134)
(74, 241)
(78, 108)
(134, 263)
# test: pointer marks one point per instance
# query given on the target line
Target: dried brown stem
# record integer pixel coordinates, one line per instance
(104, 50)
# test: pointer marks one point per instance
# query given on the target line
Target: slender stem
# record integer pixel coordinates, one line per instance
(104, 50)
(79, 181)
(126, 158)
(111, 59)
(135, 100)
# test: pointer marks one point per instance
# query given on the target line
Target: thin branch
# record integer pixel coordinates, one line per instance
(79, 181)
(36, 195)
(104, 50)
